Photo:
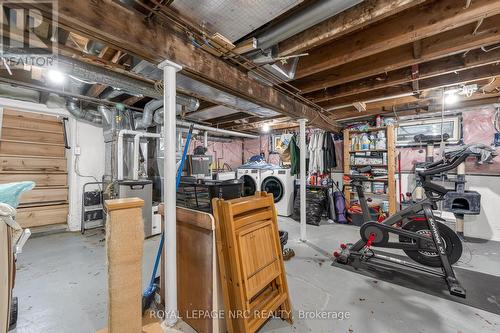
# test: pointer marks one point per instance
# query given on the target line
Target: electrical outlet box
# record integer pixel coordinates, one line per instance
(78, 150)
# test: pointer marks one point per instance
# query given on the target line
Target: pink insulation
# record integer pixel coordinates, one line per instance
(477, 128)
(224, 152)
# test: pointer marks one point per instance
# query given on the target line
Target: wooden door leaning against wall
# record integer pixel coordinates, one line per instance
(32, 148)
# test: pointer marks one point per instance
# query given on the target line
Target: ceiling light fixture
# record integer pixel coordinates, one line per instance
(56, 77)
(450, 98)
(266, 128)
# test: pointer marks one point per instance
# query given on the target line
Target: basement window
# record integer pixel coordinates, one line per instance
(407, 130)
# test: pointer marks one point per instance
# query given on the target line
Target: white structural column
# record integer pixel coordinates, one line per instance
(169, 191)
(205, 139)
(303, 175)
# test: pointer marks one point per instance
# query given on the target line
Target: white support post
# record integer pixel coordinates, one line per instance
(303, 175)
(169, 191)
(205, 139)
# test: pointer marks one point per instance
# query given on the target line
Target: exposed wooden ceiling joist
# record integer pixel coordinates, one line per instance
(411, 103)
(471, 75)
(132, 100)
(96, 89)
(354, 18)
(434, 47)
(457, 62)
(228, 118)
(408, 26)
(128, 31)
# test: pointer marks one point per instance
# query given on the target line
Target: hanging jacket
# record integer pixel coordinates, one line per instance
(329, 157)
(294, 156)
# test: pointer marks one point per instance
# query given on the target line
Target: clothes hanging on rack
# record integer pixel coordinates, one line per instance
(316, 159)
(329, 157)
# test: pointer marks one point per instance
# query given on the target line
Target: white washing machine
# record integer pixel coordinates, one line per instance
(251, 180)
(280, 183)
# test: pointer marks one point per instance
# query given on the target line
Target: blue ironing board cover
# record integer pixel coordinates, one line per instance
(11, 192)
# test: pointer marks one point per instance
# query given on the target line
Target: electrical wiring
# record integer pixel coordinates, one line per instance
(78, 173)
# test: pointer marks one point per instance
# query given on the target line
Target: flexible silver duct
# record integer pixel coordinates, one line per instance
(312, 15)
(147, 114)
(105, 113)
(89, 115)
(155, 107)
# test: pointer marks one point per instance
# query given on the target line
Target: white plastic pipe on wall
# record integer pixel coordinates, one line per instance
(169, 192)
(303, 174)
(216, 130)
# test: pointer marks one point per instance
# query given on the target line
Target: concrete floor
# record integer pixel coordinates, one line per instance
(61, 288)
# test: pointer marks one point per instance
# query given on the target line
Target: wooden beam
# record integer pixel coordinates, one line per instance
(127, 30)
(252, 121)
(96, 89)
(406, 27)
(403, 107)
(429, 69)
(354, 18)
(229, 118)
(465, 76)
(132, 100)
(434, 47)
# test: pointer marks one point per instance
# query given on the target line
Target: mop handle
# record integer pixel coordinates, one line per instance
(179, 173)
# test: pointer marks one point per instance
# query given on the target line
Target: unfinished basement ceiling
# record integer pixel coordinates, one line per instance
(233, 18)
(214, 112)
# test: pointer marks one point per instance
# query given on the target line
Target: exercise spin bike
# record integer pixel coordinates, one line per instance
(422, 236)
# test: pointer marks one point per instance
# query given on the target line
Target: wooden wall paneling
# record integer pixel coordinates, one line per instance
(14, 147)
(43, 195)
(40, 179)
(20, 134)
(23, 122)
(32, 149)
(33, 164)
(30, 217)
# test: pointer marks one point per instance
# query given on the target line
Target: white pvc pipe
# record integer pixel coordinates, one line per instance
(216, 130)
(169, 192)
(303, 174)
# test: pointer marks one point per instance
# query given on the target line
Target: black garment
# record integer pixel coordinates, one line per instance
(329, 158)
(294, 156)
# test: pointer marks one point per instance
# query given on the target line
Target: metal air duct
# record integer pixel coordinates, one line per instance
(93, 116)
(311, 15)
